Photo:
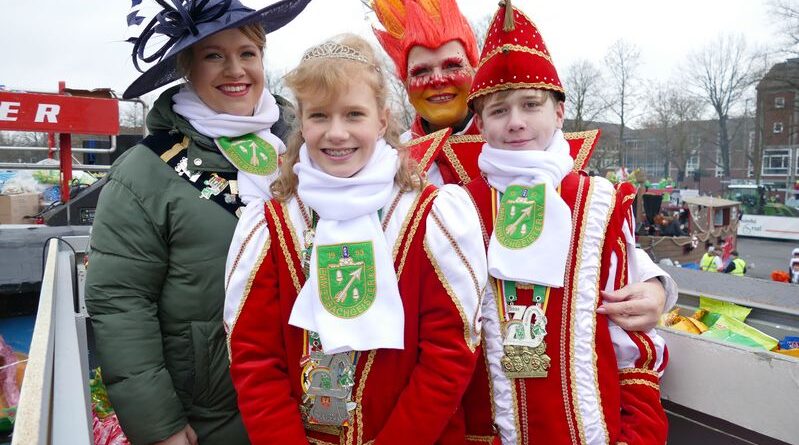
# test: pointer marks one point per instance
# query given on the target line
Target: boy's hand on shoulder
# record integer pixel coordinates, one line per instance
(635, 307)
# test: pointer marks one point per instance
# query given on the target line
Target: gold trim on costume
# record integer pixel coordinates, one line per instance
(652, 385)
(588, 136)
(177, 148)
(466, 139)
(567, 326)
(512, 47)
(514, 86)
(479, 292)
(453, 159)
(650, 357)
(623, 261)
(598, 285)
(578, 416)
(404, 227)
(358, 399)
(416, 220)
(486, 238)
(483, 439)
(241, 251)
(467, 336)
(639, 371)
(246, 293)
(290, 226)
(628, 197)
(438, 136)
(284, 247)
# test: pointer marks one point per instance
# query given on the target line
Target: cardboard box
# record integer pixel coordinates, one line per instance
(18, 209)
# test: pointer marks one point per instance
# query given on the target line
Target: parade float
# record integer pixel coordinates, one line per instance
(681, 230)
(763, 215)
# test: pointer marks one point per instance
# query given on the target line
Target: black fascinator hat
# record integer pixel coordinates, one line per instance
(186, 22)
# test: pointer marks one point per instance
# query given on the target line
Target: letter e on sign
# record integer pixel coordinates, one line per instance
(8, 110)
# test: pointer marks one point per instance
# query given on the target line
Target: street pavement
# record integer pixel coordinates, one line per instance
(763, 256)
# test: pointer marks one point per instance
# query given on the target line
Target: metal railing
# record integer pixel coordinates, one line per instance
(54, 405)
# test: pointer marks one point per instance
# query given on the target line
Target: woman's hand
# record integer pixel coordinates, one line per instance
(186, 436)
(635, 307)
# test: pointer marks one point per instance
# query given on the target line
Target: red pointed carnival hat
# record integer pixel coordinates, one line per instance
(514, 56)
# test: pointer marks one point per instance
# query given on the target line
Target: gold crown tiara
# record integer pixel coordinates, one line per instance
(333, 50)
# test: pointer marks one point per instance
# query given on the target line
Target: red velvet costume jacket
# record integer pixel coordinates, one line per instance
(405, 396)
(586, 398)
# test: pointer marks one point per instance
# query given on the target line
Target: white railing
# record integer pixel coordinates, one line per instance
(54, 406)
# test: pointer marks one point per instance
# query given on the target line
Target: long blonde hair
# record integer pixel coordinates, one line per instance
(327, 78)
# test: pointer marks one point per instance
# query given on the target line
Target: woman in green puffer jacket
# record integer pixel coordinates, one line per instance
(155, 285)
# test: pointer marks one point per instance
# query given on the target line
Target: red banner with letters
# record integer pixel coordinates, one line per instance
(53, 113)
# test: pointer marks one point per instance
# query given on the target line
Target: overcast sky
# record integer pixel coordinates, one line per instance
(82, 41)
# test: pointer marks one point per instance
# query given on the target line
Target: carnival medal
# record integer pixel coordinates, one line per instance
(214, 186)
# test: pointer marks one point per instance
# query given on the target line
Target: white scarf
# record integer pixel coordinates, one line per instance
(544, 261)
(347, 209)
(214, 125)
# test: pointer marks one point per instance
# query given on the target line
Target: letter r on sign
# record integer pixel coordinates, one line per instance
(48, 111)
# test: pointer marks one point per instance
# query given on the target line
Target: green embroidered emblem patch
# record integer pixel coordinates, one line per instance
(249, 153)
(346, 274)
(520, 218)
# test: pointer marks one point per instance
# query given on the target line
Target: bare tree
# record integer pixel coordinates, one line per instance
(622, 61)
(721, 73)
(786, 15)
(480, 28)
(583, 84)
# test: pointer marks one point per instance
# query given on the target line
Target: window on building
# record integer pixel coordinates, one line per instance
(692, 164)
(777, 127)
(776, 161)
(719, 170)
(779, 102)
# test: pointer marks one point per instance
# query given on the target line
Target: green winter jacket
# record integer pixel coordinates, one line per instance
(155, 292)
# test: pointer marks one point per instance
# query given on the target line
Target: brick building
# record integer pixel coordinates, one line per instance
(777, 129)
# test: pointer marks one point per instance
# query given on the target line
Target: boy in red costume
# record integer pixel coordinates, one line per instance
(555, 371)
(435, 53)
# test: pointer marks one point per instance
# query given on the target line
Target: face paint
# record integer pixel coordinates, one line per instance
(438, 83)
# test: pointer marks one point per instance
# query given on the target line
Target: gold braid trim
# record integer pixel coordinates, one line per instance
(588, 137)
(358, 399)
(639, 371)
(437, 137)
(475, 282)
(415, 226)
(453, 159)
(650, 356)
(464, 318)
(404, 228)
(514, 86)
(284, 247)
(246, 294)
(513, 47)
(481, 439)
(290, 226)
(654, 386)
(597, 297)
(241, 251)
(567, 327)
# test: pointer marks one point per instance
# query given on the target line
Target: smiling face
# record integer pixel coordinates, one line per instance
(520, 120)
(438, 83)
(341, 132)
(227, 72)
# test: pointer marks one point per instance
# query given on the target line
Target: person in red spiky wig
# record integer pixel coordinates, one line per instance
(435, 52)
